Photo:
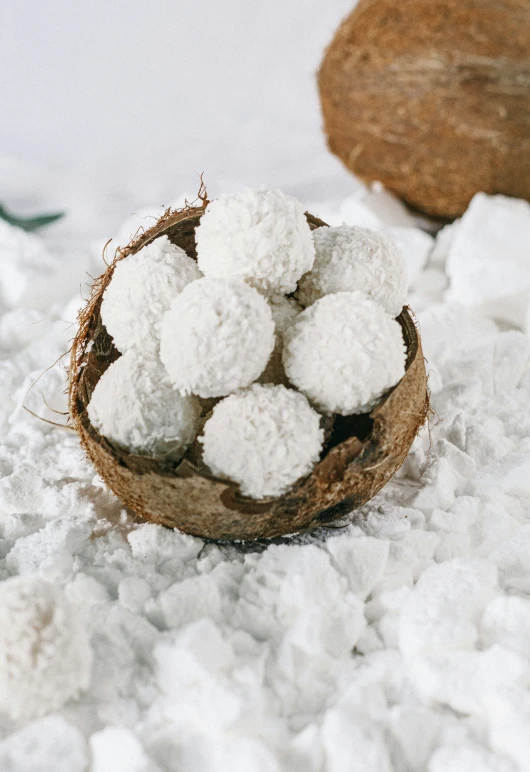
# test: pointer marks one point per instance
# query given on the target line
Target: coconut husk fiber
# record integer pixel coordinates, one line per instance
(360, 456)
(432, 98)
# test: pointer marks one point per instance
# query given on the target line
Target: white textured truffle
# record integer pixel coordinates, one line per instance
(284, 312)
(350, 258)
(141, 290)
(45, 655)
(344, 352)
(258, 235)
(264, 438)
(217, 337)
(135, 406)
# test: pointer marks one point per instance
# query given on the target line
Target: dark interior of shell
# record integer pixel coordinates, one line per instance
(360, 455)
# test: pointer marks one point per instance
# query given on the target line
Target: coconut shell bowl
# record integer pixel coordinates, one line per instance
(360, 455)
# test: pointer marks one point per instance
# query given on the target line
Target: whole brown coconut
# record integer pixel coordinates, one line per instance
(432, 98)
(360, 456)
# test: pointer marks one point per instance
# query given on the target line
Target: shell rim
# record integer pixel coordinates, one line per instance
(90, 326)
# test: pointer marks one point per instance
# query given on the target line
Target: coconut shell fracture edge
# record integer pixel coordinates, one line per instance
(361, 455)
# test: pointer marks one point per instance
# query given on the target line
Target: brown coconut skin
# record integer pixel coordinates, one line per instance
(185, 496)
(432, 98)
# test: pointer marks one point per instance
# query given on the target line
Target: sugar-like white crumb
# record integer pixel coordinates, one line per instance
(354, 743)
(372, 206)
(487, 263)
(415, 730)
(468, 756)
(506, 620)
(444, 609)
(508, 721)
(463, 680)
(217, 337)
(344, 352)
(416, 247)
(442, 244)
(349, 258)
(258, 235)
(264, 438)
(135, 406)
(49, 744)
(141, 290)
(117, 749)
(45, 655)
(316, 603)
(28, 269)
(362, 560)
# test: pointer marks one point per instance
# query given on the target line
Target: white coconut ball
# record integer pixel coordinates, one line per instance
(135, 406)
(350, 258)
(217, 337)
(284, 312)
(264, 438)
(261, 236)
(344, 352)
(141, 290)
(45, 655)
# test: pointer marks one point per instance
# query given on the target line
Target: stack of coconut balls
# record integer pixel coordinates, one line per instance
(274, 327)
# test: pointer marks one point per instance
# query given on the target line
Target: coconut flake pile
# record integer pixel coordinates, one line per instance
(191, 334)
(397, 643)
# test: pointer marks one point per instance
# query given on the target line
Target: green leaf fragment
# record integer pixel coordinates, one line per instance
(29, 223)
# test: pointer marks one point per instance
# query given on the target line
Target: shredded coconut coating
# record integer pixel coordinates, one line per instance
(344, 352)
(350, 258)
(264, 438)
(140, 292)
(259, 235)
(217, 337)
(135, 406)
(45, 655)
(284, 312)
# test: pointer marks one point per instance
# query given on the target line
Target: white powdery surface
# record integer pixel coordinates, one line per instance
(45, 656)
(487, 260)
(399, 643)
(51, 744)
(22, 258)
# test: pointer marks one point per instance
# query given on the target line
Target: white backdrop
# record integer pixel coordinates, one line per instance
(146, 93)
